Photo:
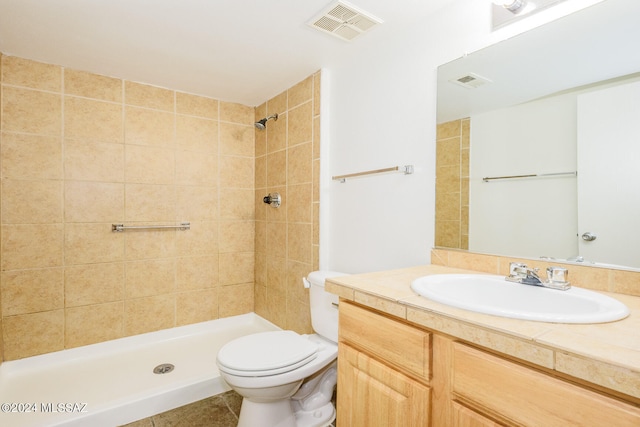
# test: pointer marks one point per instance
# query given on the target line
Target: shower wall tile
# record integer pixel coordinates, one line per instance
(31, 156)
(36, 75)
(19, 251)
(196, 306)
(88, 243)
(198, 272)
(31, 334)
(32, 291)
(149, 127)
(300, 124)
(235, 113)
(93, 284)
(88, 85)
(148, 96)
(31, 202)
(108, 316)
(300, 93)
(195, 105)
(198, 134)
(31, 111)
(93, 161)
(92, 120)
(149, 314)
(286, 237)
(80, 152)
(237, 140)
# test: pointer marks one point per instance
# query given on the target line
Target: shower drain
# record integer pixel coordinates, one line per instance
(165, 368)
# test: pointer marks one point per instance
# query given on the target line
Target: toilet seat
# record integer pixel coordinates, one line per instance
(266, 353)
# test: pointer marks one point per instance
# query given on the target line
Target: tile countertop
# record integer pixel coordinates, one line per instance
(606, 354)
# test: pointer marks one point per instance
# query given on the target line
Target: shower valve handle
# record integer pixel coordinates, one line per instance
(272, 199)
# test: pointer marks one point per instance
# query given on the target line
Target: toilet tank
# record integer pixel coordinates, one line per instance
(324, 305)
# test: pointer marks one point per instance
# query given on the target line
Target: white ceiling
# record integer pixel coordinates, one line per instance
(244, 51)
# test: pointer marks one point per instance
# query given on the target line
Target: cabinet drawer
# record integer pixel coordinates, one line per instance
(401, 345)
(532, 398)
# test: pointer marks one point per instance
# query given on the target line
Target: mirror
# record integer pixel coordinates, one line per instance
(524, 111)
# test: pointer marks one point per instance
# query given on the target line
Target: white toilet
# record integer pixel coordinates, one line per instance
(287, 379)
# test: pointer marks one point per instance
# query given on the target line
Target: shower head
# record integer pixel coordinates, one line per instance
(262, 124)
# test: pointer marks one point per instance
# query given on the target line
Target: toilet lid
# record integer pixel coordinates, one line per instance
(266, 353)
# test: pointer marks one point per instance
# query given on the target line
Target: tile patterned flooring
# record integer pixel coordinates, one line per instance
(221, 410)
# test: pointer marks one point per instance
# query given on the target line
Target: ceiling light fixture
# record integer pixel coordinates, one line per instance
(505, 12)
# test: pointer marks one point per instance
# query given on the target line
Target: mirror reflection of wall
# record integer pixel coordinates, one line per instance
(524, 121)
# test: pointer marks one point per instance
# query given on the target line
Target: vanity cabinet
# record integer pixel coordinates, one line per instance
(391, 373)
(383, 371)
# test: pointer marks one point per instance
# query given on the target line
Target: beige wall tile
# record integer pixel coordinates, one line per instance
(237, 140)
(236, 113)
(300, 124)
(93, 284)
(201, 239)
(145, 244)
(92, 243)
(88, 85)
(197, 134)
(32, 334)
(32, 291)
(277, 168)
(237, 204)
(149, 127)
(449, 129)
(149, 165)
(237, 236)
(301, 92)
(236, 172)
(194, 168)
(93, 161)
(146, 202)
(31, 246)
(317, 81)
(299, 241)
(93, 324)
(299, 169)
(316, 181)
(276, 300)
(277, 239)
(196, 203)
(196, 306)
(31, 156)
(93, 201)
(448, 152)
(260, 270)
(277, 104)
(31, 111)
(92, 120)
(316, 138)
(277, 133)
(148, 96)
(299, 208)
(31, 202)
(236, 267)
(149, 314)
(149, 277)
(198, 272)
(296, 291)
(36, 75)
(235, 299)
(195, 105)
(260, 172)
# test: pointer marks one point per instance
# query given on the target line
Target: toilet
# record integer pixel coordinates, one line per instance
(287, 379)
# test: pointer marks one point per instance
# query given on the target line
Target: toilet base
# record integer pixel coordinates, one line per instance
(283, 413)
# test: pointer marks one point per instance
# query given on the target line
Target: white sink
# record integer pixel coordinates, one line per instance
(494, 295)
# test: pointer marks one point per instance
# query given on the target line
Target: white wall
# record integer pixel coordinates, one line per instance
(524, 217)
(382, 113)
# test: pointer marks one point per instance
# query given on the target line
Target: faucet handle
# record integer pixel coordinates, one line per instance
(517, 269)
(557, 278)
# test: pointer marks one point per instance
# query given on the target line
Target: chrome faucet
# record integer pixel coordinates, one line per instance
(556, 276)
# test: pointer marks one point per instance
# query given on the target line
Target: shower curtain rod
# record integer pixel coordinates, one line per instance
(407, 170)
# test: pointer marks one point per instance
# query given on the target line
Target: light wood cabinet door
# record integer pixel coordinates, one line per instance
(465, 417)
(371, 394)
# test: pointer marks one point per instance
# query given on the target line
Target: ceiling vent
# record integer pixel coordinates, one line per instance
(471, 81)
(344, 21)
